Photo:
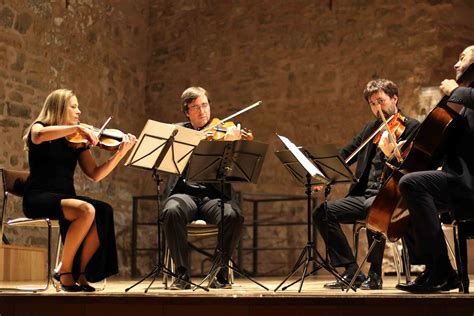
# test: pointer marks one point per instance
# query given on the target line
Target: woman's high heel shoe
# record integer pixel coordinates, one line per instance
(66, 288)
(86, 287)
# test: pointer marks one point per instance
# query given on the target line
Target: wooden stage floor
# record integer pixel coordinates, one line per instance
(245, 298)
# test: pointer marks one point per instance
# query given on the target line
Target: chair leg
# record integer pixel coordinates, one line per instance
(396, 260)
(376, 240)
(58, 250)
(48, 272)
(231, 272)
(450, 250)
(461, 258)
(166, 263)
(406, 261)
(356, 233)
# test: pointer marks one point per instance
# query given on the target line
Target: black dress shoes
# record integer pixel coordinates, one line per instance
(346, 277)
(432, 282)
(181, 283)
(408, 286)
(373, 282)
(452, 282)
(87, 288)
(66, 288)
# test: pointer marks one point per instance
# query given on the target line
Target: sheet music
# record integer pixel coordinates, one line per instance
(152, 141)
(153, 135)
(186, 139)
(303, 160)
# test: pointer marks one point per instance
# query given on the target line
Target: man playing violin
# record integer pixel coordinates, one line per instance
(371, 170)
(189, 201)
(452, 188)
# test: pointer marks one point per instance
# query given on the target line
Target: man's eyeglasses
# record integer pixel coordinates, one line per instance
(197, 107)
(379, 101)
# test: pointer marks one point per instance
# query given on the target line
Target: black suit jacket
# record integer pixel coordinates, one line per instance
(459, 160)
(365, 156)
(229, 193)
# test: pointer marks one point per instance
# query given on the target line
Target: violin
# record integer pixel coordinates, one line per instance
(109, 139)
(219, 129)
(396, 127)
(216, 129)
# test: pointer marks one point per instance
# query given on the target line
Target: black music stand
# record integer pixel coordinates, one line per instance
(222, 162)
(321, 165)
(162, 148)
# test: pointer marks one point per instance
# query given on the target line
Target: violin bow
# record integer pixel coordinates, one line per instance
(368, 139)
(104, 125)
(232, 116)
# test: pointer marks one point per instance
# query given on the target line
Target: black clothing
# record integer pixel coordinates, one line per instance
(51, 179)
(376, 168)
(429, 192)
(189, 201)
(354, 206)
(365, 156)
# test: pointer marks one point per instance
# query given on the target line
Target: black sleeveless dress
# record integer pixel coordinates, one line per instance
(51, 179)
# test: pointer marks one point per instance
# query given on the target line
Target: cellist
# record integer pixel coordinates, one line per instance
(188, 201)
(382, 97)
(452, 188)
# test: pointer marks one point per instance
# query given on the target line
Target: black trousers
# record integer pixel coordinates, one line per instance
(181, 209)
(345, 211)
(426, 194)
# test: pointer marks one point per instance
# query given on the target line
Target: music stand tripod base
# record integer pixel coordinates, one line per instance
(309, 253)
(162, 148)
(320, 166)
(221, 162)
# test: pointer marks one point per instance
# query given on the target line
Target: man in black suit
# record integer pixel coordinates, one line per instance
(188, 201)
(452, 188)
(371, 171)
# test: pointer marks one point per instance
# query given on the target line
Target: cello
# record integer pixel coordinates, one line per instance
(388, 214)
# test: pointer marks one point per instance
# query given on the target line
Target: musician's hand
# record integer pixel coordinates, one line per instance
(317, 188)
(128, 142)
(88, 134)
(447, 86)
(233, 133)
(384, 144)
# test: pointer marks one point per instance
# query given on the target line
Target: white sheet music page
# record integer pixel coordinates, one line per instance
(186, 140)
(147, 148)
(303, 160)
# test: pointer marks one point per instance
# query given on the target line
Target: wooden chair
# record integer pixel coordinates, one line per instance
(197, 228)
(463, 229)
(401, 261)
(13, 184)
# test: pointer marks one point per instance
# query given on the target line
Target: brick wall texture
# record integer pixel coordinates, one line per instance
(308, 61)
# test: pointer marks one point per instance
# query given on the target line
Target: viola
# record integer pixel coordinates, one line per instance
(109, 139)
(219, 129)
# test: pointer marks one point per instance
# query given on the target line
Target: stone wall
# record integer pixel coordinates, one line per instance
(100, 50)
(309, 62)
